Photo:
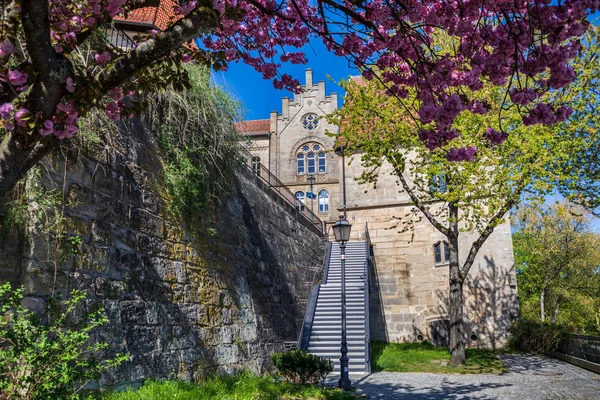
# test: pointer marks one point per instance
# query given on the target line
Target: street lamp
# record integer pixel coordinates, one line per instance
(311, 181)
(341, 231)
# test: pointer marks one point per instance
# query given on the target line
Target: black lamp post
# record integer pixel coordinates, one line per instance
(340, 151)
(341, 230)
(311, 181)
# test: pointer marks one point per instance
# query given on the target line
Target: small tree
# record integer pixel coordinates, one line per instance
(557, 260)
(52, 360)
(506, 157)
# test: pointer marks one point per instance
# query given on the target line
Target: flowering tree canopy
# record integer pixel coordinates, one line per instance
(57, 63)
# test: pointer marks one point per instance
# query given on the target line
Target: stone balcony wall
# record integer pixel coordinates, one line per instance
(183, 305)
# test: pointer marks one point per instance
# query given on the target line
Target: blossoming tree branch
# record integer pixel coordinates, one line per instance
(57, 64)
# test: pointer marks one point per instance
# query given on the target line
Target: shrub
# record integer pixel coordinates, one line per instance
(298, 366)
(52, 360)
(536, 337)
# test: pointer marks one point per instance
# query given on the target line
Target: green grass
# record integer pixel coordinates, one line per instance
(239, 387)
(425, 357)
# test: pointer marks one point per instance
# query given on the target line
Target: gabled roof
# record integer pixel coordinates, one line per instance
(151, 17)
(254, 127)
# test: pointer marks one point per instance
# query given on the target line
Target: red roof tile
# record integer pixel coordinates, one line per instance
(253, 127)
(161, 17)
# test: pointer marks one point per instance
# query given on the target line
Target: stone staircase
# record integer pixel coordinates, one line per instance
(326, 328)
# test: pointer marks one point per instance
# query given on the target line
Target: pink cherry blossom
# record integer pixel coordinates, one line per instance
(17, 78)
(47, 128)
(69, 85)
(20, 116)
(6, 110)
(494, 136)
(102, 58)
(6, 48)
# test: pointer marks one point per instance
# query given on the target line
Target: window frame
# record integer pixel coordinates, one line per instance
(311, 159)
(300, 157)
(300, 197)
(325, 201)
(322, 157)
(442, 248)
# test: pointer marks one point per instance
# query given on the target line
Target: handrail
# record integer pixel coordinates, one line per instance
(120, 39)
(327, 260)
(367, 290)
(311, 305)
(281, 189)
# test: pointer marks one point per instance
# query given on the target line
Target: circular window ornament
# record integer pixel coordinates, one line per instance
(310, 122)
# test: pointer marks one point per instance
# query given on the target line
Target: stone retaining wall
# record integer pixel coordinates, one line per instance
(182, 305)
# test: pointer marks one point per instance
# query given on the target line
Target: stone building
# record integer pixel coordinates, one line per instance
(409, 282)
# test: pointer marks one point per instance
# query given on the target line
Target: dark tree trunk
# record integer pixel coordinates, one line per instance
(455, 300)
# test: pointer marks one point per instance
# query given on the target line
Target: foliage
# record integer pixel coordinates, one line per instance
(298, 366)
(581, 185)
(51, 360)
(58, 64)
(556, 257)
(535, 337)
(195, 131)
(35, 203)
(244, 386)
(425, 357)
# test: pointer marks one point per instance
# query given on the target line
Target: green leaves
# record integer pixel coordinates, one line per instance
(48, 356)
(556, 257)
(298, 366)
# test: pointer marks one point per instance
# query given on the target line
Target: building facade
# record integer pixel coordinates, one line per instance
(409, 281)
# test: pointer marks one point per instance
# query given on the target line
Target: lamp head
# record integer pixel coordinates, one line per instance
(341, 230)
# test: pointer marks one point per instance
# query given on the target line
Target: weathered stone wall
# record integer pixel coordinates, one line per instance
(181, 304)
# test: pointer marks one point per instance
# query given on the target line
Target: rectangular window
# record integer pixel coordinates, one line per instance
(446, 251)
(322, 167)
(300, 167)
(311, 164)
(438, 253)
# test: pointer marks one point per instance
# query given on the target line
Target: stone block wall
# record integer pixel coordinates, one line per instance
(409, 290)
(183, 305)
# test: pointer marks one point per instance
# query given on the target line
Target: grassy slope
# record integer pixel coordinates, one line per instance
(240, 387)
(424, 357)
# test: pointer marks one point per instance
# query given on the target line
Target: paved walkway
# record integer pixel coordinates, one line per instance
(529, 378)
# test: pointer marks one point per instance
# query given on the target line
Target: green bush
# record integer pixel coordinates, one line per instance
(535, 337)
(298, 366)
(52, 360)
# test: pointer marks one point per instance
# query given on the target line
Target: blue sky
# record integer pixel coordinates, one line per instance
(258, 95)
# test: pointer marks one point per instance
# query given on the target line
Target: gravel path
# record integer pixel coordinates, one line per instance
(529, 378)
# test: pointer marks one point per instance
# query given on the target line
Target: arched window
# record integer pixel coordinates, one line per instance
(323, 201)
(256, 165)
(300, 200)
(300, 164)
(441, 252)
(310, 160)
(322, 165)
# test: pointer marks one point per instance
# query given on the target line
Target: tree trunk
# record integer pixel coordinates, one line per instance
(456, 305)
(19, 152)
(556, 309)
(455, 300)
(542, 301)
(13, 156)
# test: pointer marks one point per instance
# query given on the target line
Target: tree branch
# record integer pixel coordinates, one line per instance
(491, 225)
(202, 20)
(419, 204)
